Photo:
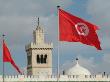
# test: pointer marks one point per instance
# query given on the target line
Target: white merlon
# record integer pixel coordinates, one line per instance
(65, 78)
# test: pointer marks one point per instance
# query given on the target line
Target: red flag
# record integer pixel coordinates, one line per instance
(75, 29)
(7, 57)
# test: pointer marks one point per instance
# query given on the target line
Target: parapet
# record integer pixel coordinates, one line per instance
(39, 46)
(21, 78)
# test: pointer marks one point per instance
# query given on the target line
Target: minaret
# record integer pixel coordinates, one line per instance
(77, 61)
(39, 54)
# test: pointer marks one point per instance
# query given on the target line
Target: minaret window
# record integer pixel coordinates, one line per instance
(38, 59)
(45, 58)
(42, 59)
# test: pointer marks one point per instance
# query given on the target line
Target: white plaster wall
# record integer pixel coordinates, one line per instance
(54, 78)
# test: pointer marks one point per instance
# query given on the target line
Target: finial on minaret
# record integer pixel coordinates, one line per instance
(58, 7)
(3, 36)
(38, 21)
(38, 27)
(77, 60)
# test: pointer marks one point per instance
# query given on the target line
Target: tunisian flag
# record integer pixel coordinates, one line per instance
(7, 57)
(75, 29)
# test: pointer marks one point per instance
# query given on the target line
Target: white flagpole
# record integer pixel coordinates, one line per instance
(58, 47)
(3, 58)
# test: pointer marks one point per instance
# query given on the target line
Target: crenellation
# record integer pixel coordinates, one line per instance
(21, 78)
(38, 46)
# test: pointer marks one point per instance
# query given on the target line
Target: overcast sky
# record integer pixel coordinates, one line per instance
(18, 19)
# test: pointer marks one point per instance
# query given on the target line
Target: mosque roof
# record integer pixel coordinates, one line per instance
(78, 70)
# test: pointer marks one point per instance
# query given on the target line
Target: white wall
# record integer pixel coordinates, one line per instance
(54, 78)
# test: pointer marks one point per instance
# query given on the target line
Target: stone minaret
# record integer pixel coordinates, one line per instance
(39, 54)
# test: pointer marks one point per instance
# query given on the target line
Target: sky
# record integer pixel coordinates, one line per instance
(18, 19)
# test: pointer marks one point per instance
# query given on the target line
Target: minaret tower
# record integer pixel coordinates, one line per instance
(39, 54)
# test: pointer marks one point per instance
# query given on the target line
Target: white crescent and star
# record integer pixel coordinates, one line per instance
(82, 29)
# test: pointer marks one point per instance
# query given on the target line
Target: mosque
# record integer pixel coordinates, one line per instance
(39, 65)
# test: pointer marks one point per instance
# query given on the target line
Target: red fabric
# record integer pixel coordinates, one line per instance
(75, 29)
(7, 57)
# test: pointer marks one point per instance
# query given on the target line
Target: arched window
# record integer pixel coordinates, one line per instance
(42, 59)
(38, 58)
(45, 58)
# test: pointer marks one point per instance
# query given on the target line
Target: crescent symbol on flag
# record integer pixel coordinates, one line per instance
(82, 29)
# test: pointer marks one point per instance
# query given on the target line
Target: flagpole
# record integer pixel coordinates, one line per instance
(3, 58)
(58, 47)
